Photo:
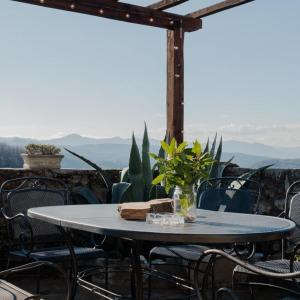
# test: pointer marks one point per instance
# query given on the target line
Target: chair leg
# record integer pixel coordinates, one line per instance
(213, 280)
(8, 263)
(150, 278)
(252, 293)
(74, 267)
(38, 282)
(189, 268)
(106, 273)
(132, 279)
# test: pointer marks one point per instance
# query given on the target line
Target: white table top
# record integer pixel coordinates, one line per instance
(210, 227)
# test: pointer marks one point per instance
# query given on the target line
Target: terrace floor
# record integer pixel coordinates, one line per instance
(53, 287)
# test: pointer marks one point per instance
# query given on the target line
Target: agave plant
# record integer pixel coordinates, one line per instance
(136, 180)
(218, 166)
(85, 192)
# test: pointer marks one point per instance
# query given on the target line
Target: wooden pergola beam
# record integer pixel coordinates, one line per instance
(175, 84)
(123, 12)
(165, 4)
(218, 7)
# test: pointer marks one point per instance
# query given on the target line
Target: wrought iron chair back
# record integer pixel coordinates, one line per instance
(292, 190)
(18, 195)
(292, 211)
(229, 194)
(294, 215)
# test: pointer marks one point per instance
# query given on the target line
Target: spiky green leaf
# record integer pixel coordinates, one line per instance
(214, 171)
(147, 172)
(86, 194)
(251, 173)
(124, 175)
(119, 191)
(101, 172)
(206, 149)
(135, 173)
(213, 146)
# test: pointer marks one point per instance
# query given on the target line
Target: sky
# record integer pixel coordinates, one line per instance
(63, 73)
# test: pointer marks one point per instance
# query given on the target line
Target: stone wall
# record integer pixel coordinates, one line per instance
(274, 182)
(73, 178)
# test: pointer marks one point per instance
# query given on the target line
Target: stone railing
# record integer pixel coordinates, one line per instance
(274, 182)
(71, 177)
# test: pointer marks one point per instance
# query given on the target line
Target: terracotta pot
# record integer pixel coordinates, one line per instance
(41, 161)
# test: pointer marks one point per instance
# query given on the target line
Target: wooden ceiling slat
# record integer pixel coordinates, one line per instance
(218, 7)
(122, 12)
(165, 4)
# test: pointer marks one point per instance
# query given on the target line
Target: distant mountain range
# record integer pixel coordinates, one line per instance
(114, 152)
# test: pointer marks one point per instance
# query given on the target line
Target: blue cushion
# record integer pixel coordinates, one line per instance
(60, 254)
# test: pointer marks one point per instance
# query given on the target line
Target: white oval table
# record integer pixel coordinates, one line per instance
(210, 228)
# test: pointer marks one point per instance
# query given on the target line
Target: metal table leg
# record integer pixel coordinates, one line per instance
(74, 268)
(137, 271)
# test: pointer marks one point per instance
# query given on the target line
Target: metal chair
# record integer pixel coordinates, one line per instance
(9, 291)
(289, 292)
(34, 240)
(290, 245)
(227, 194)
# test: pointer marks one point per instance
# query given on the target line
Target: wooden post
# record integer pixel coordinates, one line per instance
(175, 84)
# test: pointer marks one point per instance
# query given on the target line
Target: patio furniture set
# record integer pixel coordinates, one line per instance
(41, 220)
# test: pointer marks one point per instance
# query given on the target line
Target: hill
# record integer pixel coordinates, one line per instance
(114, 152)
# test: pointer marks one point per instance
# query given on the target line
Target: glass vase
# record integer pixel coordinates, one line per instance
(185, 202)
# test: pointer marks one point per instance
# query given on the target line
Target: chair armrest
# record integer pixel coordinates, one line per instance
(22, 237)
(37, 265)
(7, 218)
(246, 265)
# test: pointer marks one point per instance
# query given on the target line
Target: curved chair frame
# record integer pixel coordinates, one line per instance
(38, 266)
(213, 253)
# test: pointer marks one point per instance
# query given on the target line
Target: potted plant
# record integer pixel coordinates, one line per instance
(41, 156)
(181, 169)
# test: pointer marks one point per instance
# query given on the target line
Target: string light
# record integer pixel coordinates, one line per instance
(101, 12)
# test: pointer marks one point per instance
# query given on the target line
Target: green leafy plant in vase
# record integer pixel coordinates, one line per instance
(181, 169)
